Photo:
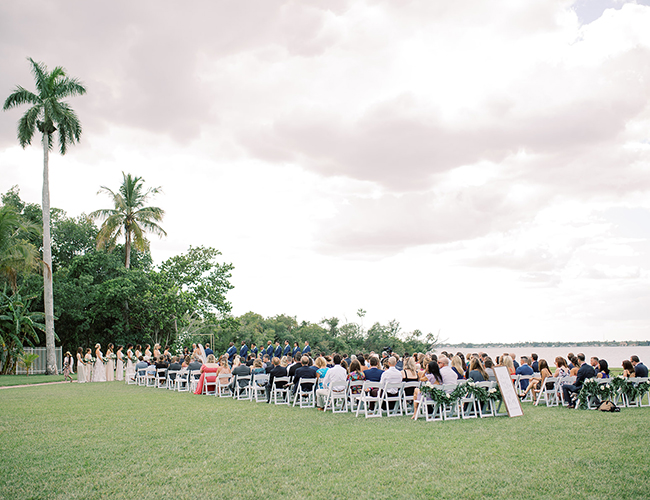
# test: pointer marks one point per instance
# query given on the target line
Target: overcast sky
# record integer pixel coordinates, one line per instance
(476, 168)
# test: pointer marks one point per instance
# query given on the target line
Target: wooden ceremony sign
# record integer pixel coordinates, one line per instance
(510, 398)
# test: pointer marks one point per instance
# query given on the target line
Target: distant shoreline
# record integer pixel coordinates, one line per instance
(498, 345)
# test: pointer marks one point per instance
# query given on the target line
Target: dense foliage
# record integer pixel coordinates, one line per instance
(179, 302)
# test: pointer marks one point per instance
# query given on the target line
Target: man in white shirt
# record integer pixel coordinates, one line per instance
(335, 374)
(448, 375)
(392, 375)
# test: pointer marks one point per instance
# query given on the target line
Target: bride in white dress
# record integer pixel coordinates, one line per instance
(99, 373)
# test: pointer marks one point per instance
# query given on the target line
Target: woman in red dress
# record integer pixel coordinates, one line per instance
(208, 374)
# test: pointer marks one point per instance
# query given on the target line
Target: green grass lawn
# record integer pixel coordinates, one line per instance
(7, 380)
(115, 441)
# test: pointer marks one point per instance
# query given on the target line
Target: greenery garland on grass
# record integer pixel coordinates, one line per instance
(604, 391)
(482, 394)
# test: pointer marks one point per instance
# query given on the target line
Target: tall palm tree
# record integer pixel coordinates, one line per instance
(129, 216)
(16, 253)
(48, 113)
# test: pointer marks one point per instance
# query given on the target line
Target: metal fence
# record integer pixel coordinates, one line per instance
(40, 364)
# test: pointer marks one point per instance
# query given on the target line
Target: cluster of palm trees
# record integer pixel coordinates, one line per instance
(129, 217)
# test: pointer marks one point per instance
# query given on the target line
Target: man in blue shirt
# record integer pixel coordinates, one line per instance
(535, 364)
(524, 369)
(373, 374)
(254, 350)
(243, 351)
(269, 349)
(278, 349)
(640, 370)
(232, 350)
(287, 348)
(208, 351)
(306, 349)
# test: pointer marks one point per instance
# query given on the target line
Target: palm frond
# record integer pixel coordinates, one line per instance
(19, 97)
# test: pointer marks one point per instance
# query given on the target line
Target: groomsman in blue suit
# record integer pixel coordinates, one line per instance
(306, 349)
(287, 348)
(243, 351)
(278, 349)
(232, 350)
(296, 349)
(269, 349)
(254, 350)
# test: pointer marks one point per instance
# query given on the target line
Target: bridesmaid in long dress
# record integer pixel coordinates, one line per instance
(88, 365)
(130, 363)
(99, 373)
(147, 353)
(119, 370)
(81, 372)
(110, 364)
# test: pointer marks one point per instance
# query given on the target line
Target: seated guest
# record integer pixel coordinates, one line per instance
(603, 369)
(640, 370)
(186, 361)
(276, 372)
(433, 376)
(174, 366)
(506, 361)
(305, 371)
(266, 362)
(391, 376)
(208, 374)
(335, 374)
(537, 382)
(143, 365)
(594, 363)
(534, 365)
(409, 374)
(448, 375)
(562, 370)
(373, 374)
(457, 366)
(258, 367)
(195, 364)
(628, 369)
(239, 370)
(585, 372)
(362, 362)
(524, 369)
(574, 366)
(224, 367)
(321, 370)
(295, 365)
(476, 371)
(356, 374)
(489, 364)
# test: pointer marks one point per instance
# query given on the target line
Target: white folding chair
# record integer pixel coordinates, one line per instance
(337, 397)
(355, 390)
(150, 379)
(223, 385)
(451, 411)
(565, 381)
(305, 395)
(242, 387)
(486, 409)
(408, 400)
(161, 378)
(519, 389)
(258, 387)
(367, 399)
(549, 391)
(391, 395)
(141, 377)
(182, 381)
(468, 406)
(280, 391)
(644, 399)
(171, 379)
(194, 377)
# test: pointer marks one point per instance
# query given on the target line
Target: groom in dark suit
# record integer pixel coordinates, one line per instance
(585, 372)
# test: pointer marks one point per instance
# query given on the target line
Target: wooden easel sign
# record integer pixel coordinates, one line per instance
(510, 398)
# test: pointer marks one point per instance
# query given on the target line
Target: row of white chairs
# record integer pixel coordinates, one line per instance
(361, 397)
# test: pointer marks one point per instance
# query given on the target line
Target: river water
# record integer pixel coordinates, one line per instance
(613, 355)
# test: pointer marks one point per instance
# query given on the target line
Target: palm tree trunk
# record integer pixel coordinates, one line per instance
(127, 249)
(48, 295)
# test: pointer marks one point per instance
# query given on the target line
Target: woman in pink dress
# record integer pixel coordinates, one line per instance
(119, 364)
(109, 364)
(208, 374)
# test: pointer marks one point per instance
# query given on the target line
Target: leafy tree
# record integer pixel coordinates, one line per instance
(48, 113)
(16, 252)
(202, 283)
(129, 216)
(18, 325)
